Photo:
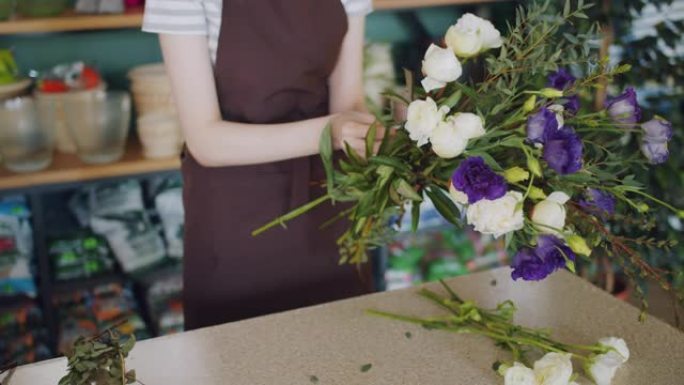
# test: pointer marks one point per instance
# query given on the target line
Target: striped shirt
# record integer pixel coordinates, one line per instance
(203, 17)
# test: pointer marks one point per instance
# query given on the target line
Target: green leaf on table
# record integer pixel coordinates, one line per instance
(326, 151)
(408, 335)
(313, 379)
(127, 346)
(444, 205)
(366, 368)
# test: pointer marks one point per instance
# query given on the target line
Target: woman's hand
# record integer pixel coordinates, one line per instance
(352, 128)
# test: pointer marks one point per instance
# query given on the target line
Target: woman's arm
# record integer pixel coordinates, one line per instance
(214, 142)
(346, 81)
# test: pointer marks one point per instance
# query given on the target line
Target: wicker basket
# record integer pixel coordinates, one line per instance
(151, 89)
(160, 134)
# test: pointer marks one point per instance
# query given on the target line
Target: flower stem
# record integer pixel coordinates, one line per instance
(292, 215)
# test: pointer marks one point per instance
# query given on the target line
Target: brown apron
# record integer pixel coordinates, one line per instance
(274, 60)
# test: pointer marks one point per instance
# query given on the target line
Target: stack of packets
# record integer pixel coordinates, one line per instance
(167, 194)
(23, 338)
(16, 248)
(89, 312)
(165, 305)
(117, 213)
(81, 256)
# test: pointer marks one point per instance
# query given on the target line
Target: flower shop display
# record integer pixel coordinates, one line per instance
(520, 154)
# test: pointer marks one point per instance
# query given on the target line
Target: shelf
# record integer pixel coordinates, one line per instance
(398, 4)
(68, 169)
(66, 287)
(71, 21)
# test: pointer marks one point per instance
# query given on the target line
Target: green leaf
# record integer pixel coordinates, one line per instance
(471, 93)
(406, 190)
(389, 161)
(127, 346)
(366, 368)
(444, 205)
(353, 156)
(326, 150)
(370, 139)
(415, 216)
(453, 100)
(313, 379)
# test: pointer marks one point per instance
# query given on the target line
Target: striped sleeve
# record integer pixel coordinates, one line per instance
(358, 7)
(183, 17)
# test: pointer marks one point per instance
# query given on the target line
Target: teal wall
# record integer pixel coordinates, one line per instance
(115, 52)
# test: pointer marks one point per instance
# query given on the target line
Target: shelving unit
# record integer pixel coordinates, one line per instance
(68, 172)
(73, 22)
(133, 18)
(69, 169)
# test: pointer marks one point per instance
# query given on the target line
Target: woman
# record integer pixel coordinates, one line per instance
(255, 82)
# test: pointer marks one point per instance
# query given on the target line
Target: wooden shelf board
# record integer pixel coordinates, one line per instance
(72, 21)
(398, 4)
(68, 168)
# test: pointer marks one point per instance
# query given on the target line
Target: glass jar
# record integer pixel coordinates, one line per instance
(99, 124)
(26, 143)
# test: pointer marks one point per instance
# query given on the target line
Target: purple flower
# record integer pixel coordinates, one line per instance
(563, 151)
(657, 130)
(655, 152)
(554, 252)
(528, 265)
(572, 104)
(561, 79)
(478, 181)
(624, 109)
(541, 125)
(536, 264)
(598, 202)
(657, 133)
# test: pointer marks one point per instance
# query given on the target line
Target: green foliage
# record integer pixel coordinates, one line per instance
(100, 360)
(540, 41)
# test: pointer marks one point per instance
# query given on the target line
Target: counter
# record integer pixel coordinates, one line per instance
(332, 342)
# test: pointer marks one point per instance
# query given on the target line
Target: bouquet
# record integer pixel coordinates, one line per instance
(521, 153)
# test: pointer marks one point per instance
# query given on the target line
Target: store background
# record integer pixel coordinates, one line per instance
(105, 250)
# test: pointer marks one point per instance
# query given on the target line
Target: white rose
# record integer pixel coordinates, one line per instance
(519, 374)
(549, 214)
(602, 367)
(472, 35)
(490, 36)
(559, 110)
(458, 196)
(447, 140)
(422, 118)
(440, 67)
(471, 125)
(499, 216)
(554, 369)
